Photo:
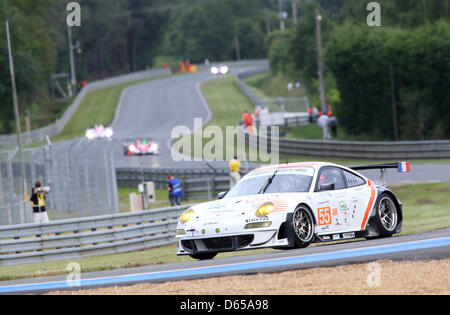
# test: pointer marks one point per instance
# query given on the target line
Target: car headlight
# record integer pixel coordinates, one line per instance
(224, 70)
(154, 147)
(132, 148)
(90, 134)
(265, 210)
(214, 70)
(109, 133)
(186, 216)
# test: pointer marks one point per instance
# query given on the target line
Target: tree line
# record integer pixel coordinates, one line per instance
(121, 36)
(405, 62)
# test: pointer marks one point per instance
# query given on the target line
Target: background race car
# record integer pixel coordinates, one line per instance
(99, 132)
(292, 206)
(141, 147)
(222, 69)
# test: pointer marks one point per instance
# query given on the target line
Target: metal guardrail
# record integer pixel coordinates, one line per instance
(77, 238)
(439, 149)
(198, 184)
(52, 130)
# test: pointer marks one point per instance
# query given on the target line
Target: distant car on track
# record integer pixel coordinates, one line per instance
(222, 69)
(291, 206)
(99, 132)
(141, 147)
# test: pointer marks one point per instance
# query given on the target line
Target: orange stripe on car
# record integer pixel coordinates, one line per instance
(369, 207)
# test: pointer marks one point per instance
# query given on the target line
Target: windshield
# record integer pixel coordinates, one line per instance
(283, 181)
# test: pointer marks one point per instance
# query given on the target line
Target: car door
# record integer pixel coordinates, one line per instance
(362, 197)
(331, 202)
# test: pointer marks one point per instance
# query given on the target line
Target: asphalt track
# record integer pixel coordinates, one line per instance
(425, 246)
(152, 109)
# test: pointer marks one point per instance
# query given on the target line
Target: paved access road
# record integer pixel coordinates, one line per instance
(152, 109)
(430, 245)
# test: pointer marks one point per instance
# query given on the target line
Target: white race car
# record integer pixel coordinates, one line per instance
(291, 206)
(99, 132)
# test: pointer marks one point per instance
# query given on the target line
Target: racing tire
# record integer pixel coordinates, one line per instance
(301, 229)
(386, 217)
(206, 256)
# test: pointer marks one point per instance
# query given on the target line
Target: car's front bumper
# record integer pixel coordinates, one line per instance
(230, 242)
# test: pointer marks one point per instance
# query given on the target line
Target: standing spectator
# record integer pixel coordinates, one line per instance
(175, 190)
(247, 119)
(264, 110)
(323, 122)
(38, 198)
(310, 113)
(333, 125)
(235, 177)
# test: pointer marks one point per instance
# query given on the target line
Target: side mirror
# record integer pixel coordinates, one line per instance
(327, 187)
(222, 194)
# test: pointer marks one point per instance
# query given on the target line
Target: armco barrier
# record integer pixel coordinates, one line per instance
(77, 238)
(439, 149)
(39, 135)
(198, 184)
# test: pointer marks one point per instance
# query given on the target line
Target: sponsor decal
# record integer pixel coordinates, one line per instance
(253, 220)
(210, 223)
(348, 235)
(336, 237)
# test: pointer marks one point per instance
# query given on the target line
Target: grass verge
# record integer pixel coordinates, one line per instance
(426, 207)
(97, 107)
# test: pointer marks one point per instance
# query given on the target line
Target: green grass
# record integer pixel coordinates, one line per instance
(97, 107)
(227, 104)
(426, 207)
(267, 86)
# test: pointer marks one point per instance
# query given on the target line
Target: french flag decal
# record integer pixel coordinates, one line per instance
(404, 167)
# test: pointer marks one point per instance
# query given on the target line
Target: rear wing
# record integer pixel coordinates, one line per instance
(401, 167)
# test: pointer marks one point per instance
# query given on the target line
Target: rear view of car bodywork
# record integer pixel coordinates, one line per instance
(140, 147)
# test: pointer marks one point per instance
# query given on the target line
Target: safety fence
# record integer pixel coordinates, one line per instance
(80, 173)
(39, 135)
(77, 238)
(198, 184)
(359, 149)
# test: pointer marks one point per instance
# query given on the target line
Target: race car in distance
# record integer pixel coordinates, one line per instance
(99, 132)
(291, 206)
(223, 69)
(140, 147)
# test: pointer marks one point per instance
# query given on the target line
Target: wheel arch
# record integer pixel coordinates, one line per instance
(394, 198)
(282, 231)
